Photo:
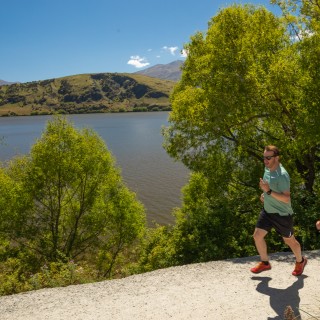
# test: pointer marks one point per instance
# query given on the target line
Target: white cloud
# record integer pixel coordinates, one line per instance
(183, 53)
(138, 61)
(172, 50)
(306, 33)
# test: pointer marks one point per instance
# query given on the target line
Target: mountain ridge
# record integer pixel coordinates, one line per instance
(144, 90)
(86, 93)
(170, 71)
(5, 83)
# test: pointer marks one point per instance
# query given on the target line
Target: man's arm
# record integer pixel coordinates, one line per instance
(283, 196)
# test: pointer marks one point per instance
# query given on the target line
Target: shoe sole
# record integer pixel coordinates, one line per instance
(260, 270)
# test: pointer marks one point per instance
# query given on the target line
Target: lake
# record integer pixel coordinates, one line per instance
(135, 141)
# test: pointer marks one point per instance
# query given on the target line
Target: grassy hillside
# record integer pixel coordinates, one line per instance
(86, 93)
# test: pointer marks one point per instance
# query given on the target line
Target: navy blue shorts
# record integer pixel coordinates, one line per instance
(282, 224)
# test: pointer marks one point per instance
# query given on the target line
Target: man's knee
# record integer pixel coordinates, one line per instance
(259, 234)
(257, 237)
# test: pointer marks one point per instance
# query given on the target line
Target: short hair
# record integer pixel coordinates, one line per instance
(276, 151)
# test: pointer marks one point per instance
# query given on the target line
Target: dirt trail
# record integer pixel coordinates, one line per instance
(214, 290)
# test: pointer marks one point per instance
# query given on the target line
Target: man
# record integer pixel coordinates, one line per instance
(318, 225)
(276, 213)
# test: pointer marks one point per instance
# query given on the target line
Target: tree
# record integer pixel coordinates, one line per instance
(237, 89)
(243, 87)
(68, 200)
(303, 20)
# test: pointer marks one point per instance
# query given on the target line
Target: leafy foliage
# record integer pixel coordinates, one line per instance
(14, 278)
(66, 200)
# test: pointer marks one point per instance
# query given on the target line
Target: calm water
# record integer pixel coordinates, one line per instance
(135, 141)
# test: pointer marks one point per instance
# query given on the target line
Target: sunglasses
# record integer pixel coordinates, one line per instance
(268, 157)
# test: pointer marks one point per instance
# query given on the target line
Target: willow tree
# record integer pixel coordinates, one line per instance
(243, 87)
(68, 200)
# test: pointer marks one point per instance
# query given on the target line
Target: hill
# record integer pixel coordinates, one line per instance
(220, 290)
(2, 82)
(170, 71)
(86, 93)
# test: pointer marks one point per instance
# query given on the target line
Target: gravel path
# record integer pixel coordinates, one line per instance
(214, 290)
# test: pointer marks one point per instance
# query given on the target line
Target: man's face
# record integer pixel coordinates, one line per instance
(270, 161)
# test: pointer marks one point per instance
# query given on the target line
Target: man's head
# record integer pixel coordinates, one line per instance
(271, 157)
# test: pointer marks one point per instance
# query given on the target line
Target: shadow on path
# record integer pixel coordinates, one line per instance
(281, 298)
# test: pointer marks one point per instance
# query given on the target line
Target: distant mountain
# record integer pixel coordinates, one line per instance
(3, 83)
(170, 71)
(86, 93)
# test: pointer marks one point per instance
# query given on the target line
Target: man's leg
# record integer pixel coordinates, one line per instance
(260, 243)
(261, 246)
(295, 247)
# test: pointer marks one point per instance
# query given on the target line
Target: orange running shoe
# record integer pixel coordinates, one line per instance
(260, 267)
(299, 267)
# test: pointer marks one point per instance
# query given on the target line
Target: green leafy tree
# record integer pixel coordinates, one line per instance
(237, 89)
(68, 201)
(243, 86)
(303, 20)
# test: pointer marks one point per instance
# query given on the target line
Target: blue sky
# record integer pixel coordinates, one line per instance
(44, 39)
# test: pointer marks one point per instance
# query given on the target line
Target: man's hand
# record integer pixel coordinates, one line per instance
(264, 185)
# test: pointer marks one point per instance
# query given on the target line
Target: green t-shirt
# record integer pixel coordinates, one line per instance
(279, 181)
